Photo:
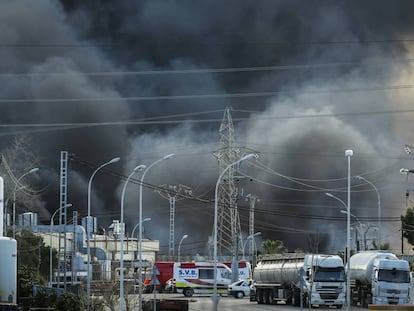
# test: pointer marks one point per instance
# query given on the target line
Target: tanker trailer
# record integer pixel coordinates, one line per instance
(319, 278)
(379, 277)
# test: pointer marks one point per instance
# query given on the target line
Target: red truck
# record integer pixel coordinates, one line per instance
(165, 278)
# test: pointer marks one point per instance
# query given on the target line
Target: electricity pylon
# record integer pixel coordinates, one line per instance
(228, 221)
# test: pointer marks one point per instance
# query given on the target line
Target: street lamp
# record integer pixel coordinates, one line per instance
(136, 226)
(348, 153)
(342, 202)
(33, 170)
(179, 245)
(121, 265)
(336, 198)
(50, 235)
(251, 236)
(215, 297)
(89, 224)
(406, 171)
(379, 209)
(168, 156)
(348, 244)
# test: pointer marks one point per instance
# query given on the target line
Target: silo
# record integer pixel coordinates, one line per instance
(8, 270)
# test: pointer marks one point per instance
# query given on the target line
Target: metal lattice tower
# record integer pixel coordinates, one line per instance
(75, 223)
(171, 193)
(63, 256)
(228, 222)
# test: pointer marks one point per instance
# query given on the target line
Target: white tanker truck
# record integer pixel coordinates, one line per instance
(319, 278)
(379, 277)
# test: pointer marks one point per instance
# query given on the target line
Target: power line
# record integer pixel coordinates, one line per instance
(379, 63)
(74, 125)
(217, 96)
(213, 43)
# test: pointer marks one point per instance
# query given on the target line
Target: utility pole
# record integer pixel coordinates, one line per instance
(252, 201)
(402, 235)
(171, 192)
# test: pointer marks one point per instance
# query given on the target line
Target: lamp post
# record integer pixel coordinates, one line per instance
(345, 206)
(168, 156)
(348, 153)
(121, 264)
(215, 297)
(132, 235)
(251, 236)
(179, 245)
(348, 246)
(50, 250)
(89, 224)
(136, 226)
(379, 209)
(406, 171)
(33, 170)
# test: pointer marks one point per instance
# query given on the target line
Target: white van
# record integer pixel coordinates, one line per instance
(198, 278)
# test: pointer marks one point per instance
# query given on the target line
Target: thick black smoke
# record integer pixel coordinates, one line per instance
(352, 51)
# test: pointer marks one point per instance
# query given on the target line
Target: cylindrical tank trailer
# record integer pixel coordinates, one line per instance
(320, 278)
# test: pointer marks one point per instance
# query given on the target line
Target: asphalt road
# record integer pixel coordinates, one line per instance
(228, 303)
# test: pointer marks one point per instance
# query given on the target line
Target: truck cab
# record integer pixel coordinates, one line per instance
(391, 282)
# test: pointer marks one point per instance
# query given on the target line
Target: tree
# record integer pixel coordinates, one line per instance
(407, 223)
(384, 246)
(32, 263)
(109, 290)
(15, 161)
(273, 247)
(71, 302)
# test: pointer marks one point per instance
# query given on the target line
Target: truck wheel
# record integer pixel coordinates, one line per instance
(267, 296)
(270, 297)
(188, 292)
(296, 297)
(306, 301)
(239, 295)
(259, 296)
(338, 306)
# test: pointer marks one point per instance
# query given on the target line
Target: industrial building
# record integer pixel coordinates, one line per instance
(70, 242)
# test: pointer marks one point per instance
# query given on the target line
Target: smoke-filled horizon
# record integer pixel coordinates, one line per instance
(139, 80)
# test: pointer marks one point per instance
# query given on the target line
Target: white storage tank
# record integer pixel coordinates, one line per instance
(8, 270)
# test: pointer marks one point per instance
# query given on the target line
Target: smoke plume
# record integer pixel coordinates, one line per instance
(305, 80)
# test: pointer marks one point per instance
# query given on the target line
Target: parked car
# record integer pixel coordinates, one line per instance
(170, 286)
(240, 288)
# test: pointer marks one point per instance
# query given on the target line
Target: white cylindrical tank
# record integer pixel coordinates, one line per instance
(8, 270)
(1, 206)
(361, 264)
